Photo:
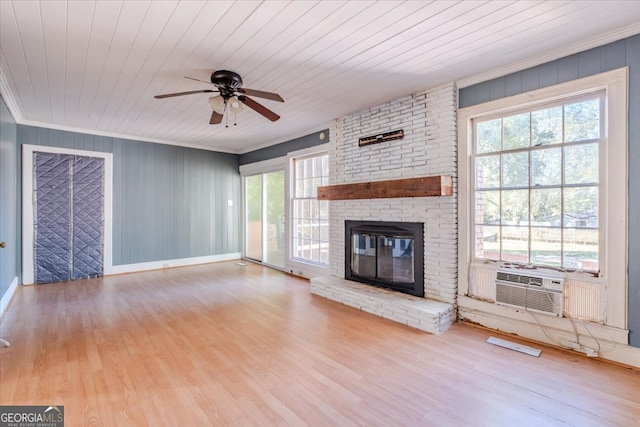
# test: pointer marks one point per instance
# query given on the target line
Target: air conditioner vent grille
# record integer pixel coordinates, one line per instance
(519, 278)
(541, 294)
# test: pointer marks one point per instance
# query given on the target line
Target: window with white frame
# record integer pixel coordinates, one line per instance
(543, 182)
(537, 184)
(310, 217)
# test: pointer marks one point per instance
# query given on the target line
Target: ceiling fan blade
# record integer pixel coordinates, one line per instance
(216, 118)
(259, 108)
(169, 95)
(261, 94)
(198, 80)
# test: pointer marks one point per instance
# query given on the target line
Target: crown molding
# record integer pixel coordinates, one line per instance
(7, 94)
(121, 136)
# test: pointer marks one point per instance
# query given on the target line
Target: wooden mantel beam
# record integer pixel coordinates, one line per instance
(428, 186)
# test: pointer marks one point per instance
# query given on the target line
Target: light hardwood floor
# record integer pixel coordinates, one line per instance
(221, 344)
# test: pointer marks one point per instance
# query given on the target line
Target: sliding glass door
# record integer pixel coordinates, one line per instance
(264, 218)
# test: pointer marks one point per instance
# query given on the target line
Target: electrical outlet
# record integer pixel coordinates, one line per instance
(591, 352)
(165, 265)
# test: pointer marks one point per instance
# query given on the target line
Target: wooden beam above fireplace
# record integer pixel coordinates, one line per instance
(428, 186)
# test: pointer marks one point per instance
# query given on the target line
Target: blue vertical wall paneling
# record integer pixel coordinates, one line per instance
(154, 185)
(633, 61)
(280, 150)
(604, 58)
(9, 200)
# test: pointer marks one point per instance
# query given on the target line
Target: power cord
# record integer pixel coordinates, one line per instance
(571, 317)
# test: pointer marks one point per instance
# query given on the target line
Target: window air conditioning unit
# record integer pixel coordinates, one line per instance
(535, 291)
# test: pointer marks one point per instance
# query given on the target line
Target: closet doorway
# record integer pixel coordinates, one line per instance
(66, 214)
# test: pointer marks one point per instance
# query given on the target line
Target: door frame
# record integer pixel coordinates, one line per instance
(27, 205)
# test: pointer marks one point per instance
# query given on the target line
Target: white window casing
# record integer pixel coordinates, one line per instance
(612, 184)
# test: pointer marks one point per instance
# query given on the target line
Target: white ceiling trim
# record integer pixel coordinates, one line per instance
(7, 94)
(584, 45)
(122, 136)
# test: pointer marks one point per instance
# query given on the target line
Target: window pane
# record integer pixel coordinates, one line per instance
(515, 207)
(308, 168)
(304, 230)
(314, 227)
(488, 136)
(515, 244)
(546, 207)
(546, 126)
(536, 178)
(299, 167)
(581, 207)
(305, 208)
(315, 251)
(313, 209)
(546, 247)
(581, 249)
(488, 172)
(324, 254)
(546, 167)
(515, 170)
(299, 188)
(516, 131)
(324, 231)
(308, 187)
(295, 249)
(488, 207)
(305, 248)
(323, 207)
(488, 242)
(253, 225)
(582, 120)
(581, 164)
(311, 235)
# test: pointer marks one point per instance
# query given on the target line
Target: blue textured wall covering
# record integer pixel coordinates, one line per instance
(280, 150)
(9, 201)
(168, 202)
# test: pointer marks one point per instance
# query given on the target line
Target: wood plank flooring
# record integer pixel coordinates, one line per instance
(221, 344)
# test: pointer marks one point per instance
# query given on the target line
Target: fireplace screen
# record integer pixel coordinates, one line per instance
(385, 254)
(388, 258)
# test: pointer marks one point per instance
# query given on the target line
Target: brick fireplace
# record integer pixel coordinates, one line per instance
(428, 120)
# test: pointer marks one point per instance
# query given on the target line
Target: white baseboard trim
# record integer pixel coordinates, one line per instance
(307, 271)
(181, 262)
(8, 295)
(610, 347)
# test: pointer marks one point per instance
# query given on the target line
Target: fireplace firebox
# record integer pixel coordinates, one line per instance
(386, 254)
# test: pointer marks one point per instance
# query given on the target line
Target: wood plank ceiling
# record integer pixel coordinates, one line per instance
(94, 66)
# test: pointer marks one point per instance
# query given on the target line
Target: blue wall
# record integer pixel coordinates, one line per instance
(168, 202)
(9, 259)
(604, 58)
(282, 149)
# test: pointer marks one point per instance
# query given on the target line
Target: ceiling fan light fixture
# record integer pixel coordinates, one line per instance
(217, 104)
(235, 106)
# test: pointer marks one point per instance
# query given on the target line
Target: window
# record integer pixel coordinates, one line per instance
(310, 225)
(542, 180)
(537, 184)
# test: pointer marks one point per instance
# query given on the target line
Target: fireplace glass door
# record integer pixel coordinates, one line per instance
(395, 259)
(381, 257)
